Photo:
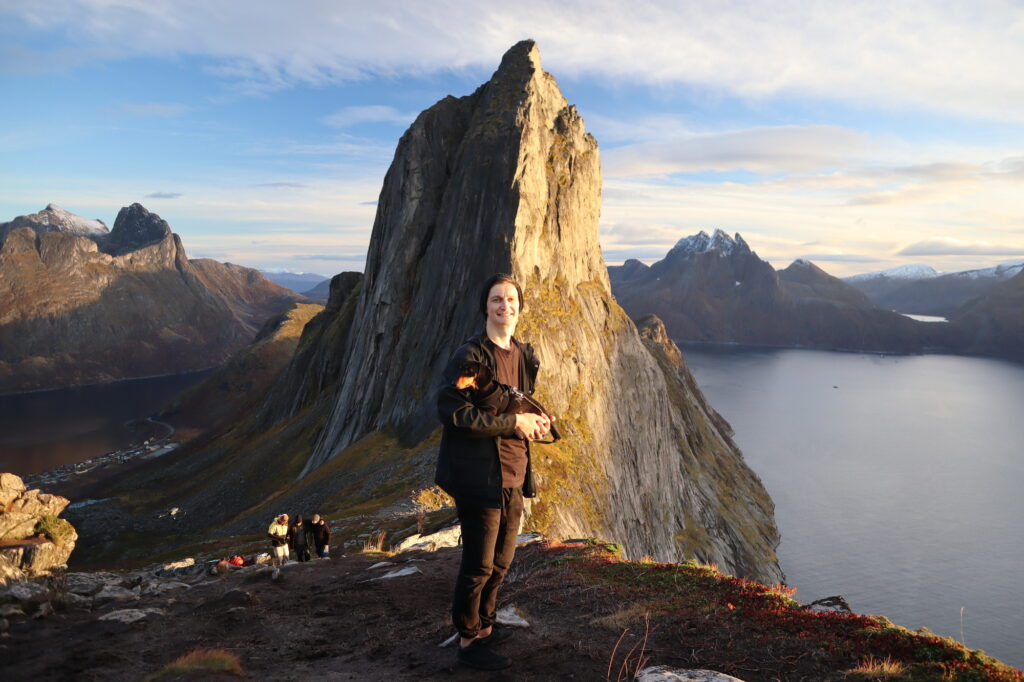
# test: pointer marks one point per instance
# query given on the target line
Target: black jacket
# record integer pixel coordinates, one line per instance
(320, 534)
(468, 464)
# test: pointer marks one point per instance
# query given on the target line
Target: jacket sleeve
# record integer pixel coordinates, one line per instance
(454, 408)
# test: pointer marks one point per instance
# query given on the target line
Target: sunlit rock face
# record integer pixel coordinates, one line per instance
(508, 179)
(79, 304)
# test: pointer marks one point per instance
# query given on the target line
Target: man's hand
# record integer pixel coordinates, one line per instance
(532, 426)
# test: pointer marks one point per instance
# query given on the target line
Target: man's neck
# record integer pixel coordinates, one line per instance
(500, 336)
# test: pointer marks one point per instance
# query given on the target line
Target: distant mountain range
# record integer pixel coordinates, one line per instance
(716, 289)
(299, 282)
(84, 304)
(920, 289)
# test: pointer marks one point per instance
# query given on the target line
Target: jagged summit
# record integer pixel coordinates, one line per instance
(719, 242)
(135, 228)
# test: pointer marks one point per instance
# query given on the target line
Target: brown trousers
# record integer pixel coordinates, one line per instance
(488, 546)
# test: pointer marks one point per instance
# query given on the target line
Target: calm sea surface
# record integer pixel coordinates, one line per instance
(898, 480)
(40, 431)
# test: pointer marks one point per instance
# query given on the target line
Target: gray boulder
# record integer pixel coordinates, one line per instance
(24, 553)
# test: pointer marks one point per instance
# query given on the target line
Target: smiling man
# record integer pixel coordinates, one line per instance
(484, 464)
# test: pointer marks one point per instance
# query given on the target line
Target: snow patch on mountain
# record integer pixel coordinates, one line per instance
(1005, 271)
(53, 218)
(719, 242)
(907, 272)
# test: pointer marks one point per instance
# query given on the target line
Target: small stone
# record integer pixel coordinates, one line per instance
(124, 615)
(112, 593)
(381, 564)
(45, 609)
(510, 616)
(661, 673)
(184, 563)
(400, 573)
(10, 610)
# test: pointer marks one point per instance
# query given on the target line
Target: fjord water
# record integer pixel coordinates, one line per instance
(43, 430)
(898, 480)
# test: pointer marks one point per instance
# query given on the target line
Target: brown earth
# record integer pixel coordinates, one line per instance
(591, 617)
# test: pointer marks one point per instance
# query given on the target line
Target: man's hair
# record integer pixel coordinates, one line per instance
(498, 279)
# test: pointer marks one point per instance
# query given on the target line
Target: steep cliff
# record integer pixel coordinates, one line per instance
(507, 179)
(83, 305)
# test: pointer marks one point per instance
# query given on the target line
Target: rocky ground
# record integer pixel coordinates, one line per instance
(333, 619)
(590, 617)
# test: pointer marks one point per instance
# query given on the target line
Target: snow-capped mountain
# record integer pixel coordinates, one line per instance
(918, 289)
(53, 218)
(719, 242)
(714, 288)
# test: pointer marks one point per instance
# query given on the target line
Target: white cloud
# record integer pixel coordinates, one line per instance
(946, 246)
(350, 116)
(763, 150)
(961, 58)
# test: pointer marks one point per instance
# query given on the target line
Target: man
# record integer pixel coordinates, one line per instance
(484, 464)
(278, 532)
(321, 535)
(299, 538)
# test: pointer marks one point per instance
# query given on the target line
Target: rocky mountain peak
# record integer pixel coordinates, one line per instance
(135, 228)
(718, 242)
(520, 62)
(508, 180)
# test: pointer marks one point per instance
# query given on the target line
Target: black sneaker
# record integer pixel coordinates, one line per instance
(478, 656)
(499, 633)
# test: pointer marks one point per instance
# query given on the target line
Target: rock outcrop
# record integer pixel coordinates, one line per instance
(82, 305)
(33, 539)
(716, 289)
(507, 179)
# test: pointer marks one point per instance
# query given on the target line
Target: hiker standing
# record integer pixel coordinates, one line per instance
(320, 533)
(298, 538)
(484, 464)
(278, 532)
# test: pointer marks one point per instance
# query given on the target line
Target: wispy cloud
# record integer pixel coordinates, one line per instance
(155, 109)
(329, 256)
(350, 116)
(761, 150)
(954, 247)
(839, 258)
(952, 57)
(164, 195)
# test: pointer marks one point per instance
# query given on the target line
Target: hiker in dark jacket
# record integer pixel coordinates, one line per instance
(320, 535)
(484, 463)
(298, 538)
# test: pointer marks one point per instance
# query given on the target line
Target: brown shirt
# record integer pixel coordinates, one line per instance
(513, 450)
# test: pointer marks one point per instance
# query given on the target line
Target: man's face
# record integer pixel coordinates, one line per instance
(503, 305)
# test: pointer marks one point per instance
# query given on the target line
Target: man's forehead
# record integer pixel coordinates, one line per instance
(503, 289)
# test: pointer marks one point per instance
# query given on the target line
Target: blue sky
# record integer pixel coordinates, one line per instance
(859, 135)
